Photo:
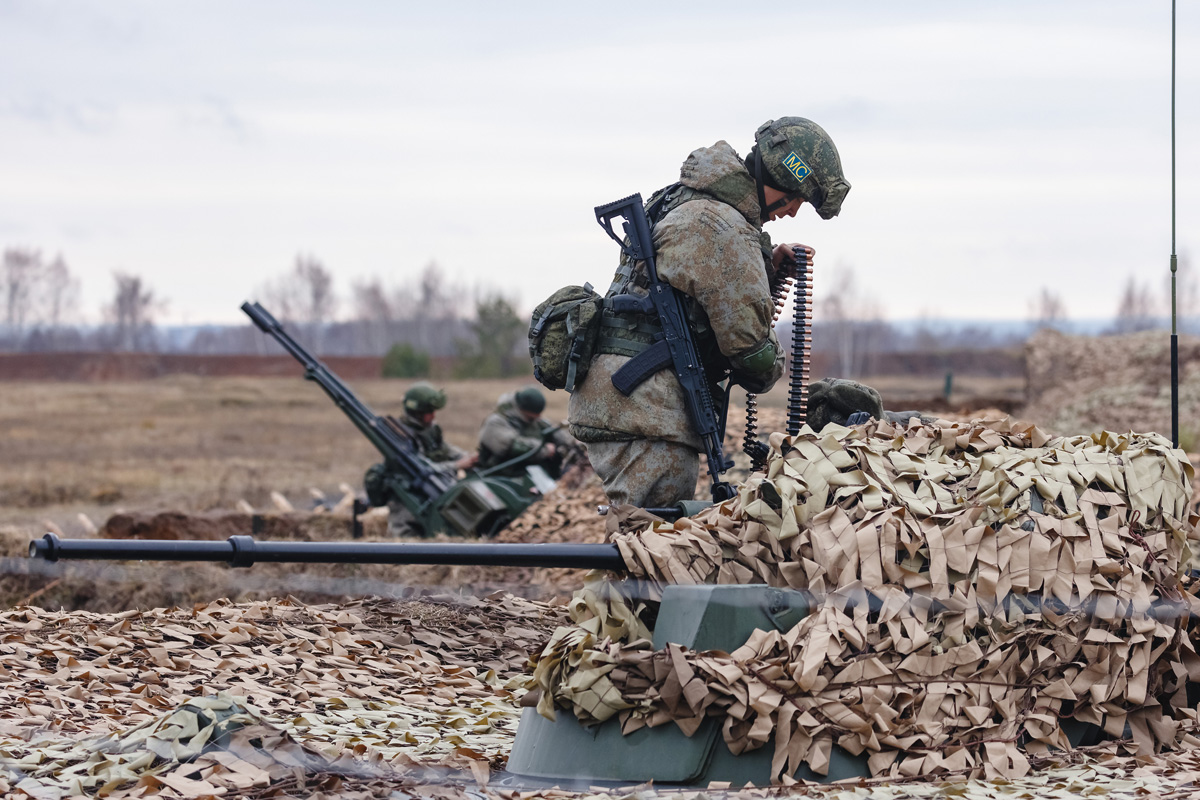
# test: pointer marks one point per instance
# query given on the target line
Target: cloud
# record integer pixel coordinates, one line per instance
(213, 114)
(1009, 145)
(50, 115)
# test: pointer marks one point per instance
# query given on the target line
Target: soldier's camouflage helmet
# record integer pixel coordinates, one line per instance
(423, 398)
(801, 160)
(530, 399)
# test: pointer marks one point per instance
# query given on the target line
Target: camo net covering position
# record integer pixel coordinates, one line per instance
(975, 586)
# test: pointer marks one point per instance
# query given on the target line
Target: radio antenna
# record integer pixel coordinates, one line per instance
(1174, 260)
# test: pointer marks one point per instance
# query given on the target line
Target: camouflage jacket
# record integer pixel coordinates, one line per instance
(430, 442)
(507, 434)
(711, 248)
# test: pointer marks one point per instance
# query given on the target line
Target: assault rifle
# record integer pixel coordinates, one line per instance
(480, 505)
(676, 347)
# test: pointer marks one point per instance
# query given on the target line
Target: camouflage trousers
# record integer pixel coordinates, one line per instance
(645, 473)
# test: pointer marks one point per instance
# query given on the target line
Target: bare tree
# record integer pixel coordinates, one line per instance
(1135, 311)
(375, 312)
(434, 304)
(315, 284)
(853, 321)
(1047, 310)
(20, 272)
(59, 294)
(303, 295)
(131, 314)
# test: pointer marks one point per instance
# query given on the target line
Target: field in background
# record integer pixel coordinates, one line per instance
(194, 444)
(199, 443)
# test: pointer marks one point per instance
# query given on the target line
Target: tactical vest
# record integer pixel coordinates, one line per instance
(628, 334)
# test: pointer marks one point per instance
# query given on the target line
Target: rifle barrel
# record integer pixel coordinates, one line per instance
(243, 551)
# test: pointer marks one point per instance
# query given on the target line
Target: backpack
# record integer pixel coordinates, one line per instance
(563, 333)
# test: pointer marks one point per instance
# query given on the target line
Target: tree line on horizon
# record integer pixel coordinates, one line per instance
(426, 318)
(413, 323)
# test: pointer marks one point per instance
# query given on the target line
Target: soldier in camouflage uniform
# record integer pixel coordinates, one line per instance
(710, 245)
(421, 404)
(516, 428)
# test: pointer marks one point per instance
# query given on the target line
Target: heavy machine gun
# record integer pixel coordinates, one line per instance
(480, 505)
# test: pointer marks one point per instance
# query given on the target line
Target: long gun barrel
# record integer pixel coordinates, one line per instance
(244, 551)
(425, 483)
(680, 350)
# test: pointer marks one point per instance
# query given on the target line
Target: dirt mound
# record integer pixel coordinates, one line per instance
(1084, 384)
(221, 525)
(566, 515)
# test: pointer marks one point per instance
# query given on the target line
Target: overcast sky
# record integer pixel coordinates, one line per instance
(994, 149)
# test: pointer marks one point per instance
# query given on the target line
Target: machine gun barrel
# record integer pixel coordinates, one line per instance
(244, 551)
(425, 483)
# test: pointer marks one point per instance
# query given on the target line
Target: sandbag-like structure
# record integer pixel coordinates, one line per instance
(979, 591)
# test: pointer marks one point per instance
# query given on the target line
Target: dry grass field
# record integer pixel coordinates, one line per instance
(197, 444)
(74, 454)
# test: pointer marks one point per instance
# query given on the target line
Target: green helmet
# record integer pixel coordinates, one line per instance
(800, 159)
(530, 399)
(423, 399)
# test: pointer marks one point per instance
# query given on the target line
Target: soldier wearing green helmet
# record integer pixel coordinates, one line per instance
(710, 245)
(795, 156)
(421, 403)
(517, 428)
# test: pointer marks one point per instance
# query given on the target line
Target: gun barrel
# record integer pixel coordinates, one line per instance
(243, 551)
(427, 483)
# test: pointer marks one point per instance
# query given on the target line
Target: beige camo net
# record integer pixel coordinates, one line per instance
(974, 587)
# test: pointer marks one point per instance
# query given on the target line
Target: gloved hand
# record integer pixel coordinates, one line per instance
(903, 418)
(753, 382)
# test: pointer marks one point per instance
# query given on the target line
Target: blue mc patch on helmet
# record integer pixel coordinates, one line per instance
(796, 166)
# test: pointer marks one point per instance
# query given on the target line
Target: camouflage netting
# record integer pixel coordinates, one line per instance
(973, 586)
(245, 700)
